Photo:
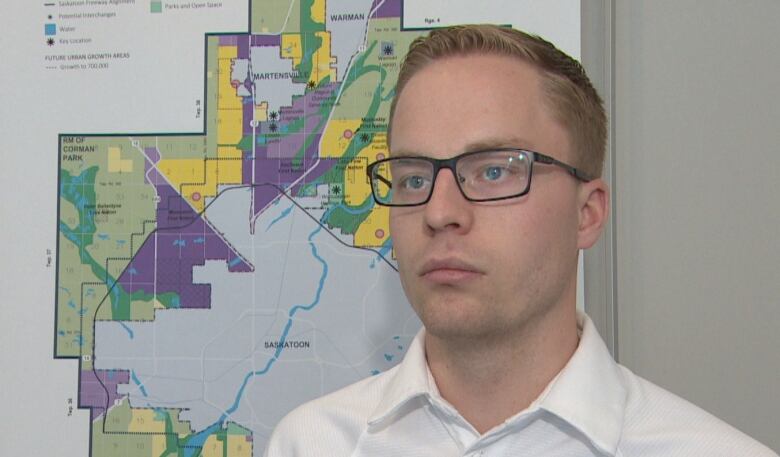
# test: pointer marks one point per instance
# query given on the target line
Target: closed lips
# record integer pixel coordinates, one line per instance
(447, 264)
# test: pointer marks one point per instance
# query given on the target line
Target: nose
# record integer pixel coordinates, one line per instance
(447, 208)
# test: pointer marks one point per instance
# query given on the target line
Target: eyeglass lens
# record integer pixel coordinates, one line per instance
(485, 175)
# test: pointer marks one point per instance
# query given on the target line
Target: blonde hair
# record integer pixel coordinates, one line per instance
(573, 100)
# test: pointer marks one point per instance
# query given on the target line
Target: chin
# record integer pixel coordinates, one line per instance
(452, 318)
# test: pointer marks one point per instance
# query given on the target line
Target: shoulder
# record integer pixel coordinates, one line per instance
(329, 425)
(657, 422)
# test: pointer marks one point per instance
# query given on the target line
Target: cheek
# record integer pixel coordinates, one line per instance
(402, 233)
(405, 248)
(554, 218)
(529, 244)
(554, 251)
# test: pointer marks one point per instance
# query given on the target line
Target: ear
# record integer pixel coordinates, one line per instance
(593, 203)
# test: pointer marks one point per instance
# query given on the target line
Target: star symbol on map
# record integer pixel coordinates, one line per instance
(50, 41)
(311, 84)
(388, 50)
(273, 128)
(336, 190)
(273, 115)
(364, 137)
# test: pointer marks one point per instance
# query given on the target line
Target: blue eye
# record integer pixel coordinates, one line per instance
(413, 182)
(493, 173)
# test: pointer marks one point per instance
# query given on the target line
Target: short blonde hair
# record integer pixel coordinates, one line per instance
(572, 98)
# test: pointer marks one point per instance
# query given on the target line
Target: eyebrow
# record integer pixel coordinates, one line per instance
(479, 145)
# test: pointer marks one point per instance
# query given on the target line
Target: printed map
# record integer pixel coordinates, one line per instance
(209, 283)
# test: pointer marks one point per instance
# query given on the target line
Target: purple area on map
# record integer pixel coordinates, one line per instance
(246, 168)
(228, 40)
(92, 394)
(152, 154)
(243, 47)
(274, 160)
(390, 8)
(248, 112)
(309, 107)
(152, 157)
(152, 176)
(280, 148)
(182, 240)
(266, 40)
(278, 172)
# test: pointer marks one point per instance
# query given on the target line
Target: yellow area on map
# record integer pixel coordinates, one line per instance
(291, 48)
(356, 186)
(197, 179)
(237, 446)
(229, 104)
(159, 444)
(375, 229)
(144, 421)
(212, 447)
(318, 11)
(323, 61)
(261, 112)
(337, 136)
(116, 164)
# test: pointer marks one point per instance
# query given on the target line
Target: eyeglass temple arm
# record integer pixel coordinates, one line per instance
(582, 176)
(381, 178)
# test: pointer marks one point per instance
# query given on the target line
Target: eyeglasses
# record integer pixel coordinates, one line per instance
(482, 176)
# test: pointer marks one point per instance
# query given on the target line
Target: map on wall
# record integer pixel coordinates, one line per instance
(209, 283)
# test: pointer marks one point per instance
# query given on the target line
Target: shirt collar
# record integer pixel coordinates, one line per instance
(588, 393)
(411, 379)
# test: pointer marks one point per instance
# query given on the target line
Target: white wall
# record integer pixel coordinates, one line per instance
(693, 262)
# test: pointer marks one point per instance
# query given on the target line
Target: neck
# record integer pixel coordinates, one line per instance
(491, 380)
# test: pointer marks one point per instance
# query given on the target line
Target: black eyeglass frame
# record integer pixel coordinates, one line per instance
(451, 164)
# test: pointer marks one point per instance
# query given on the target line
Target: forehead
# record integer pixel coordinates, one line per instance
(460, 101)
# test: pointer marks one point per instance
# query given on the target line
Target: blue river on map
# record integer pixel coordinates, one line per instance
(128, 329)
(138, 383)
(197, 440)
(284, 214)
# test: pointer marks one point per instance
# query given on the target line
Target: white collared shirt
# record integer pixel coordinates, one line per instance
(593, 407)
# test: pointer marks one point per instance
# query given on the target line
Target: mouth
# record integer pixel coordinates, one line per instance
(449, 271)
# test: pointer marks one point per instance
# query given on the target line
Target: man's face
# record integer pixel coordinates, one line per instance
(474, 270)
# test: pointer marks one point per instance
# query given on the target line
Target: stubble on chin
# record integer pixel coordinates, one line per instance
(454, 316)
(477, 319)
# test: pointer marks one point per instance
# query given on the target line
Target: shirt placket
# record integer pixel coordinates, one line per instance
(494, 443)
(461, 432)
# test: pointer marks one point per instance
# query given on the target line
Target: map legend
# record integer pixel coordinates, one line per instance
(84, 32)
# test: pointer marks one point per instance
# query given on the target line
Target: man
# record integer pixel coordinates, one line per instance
(504, 365)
